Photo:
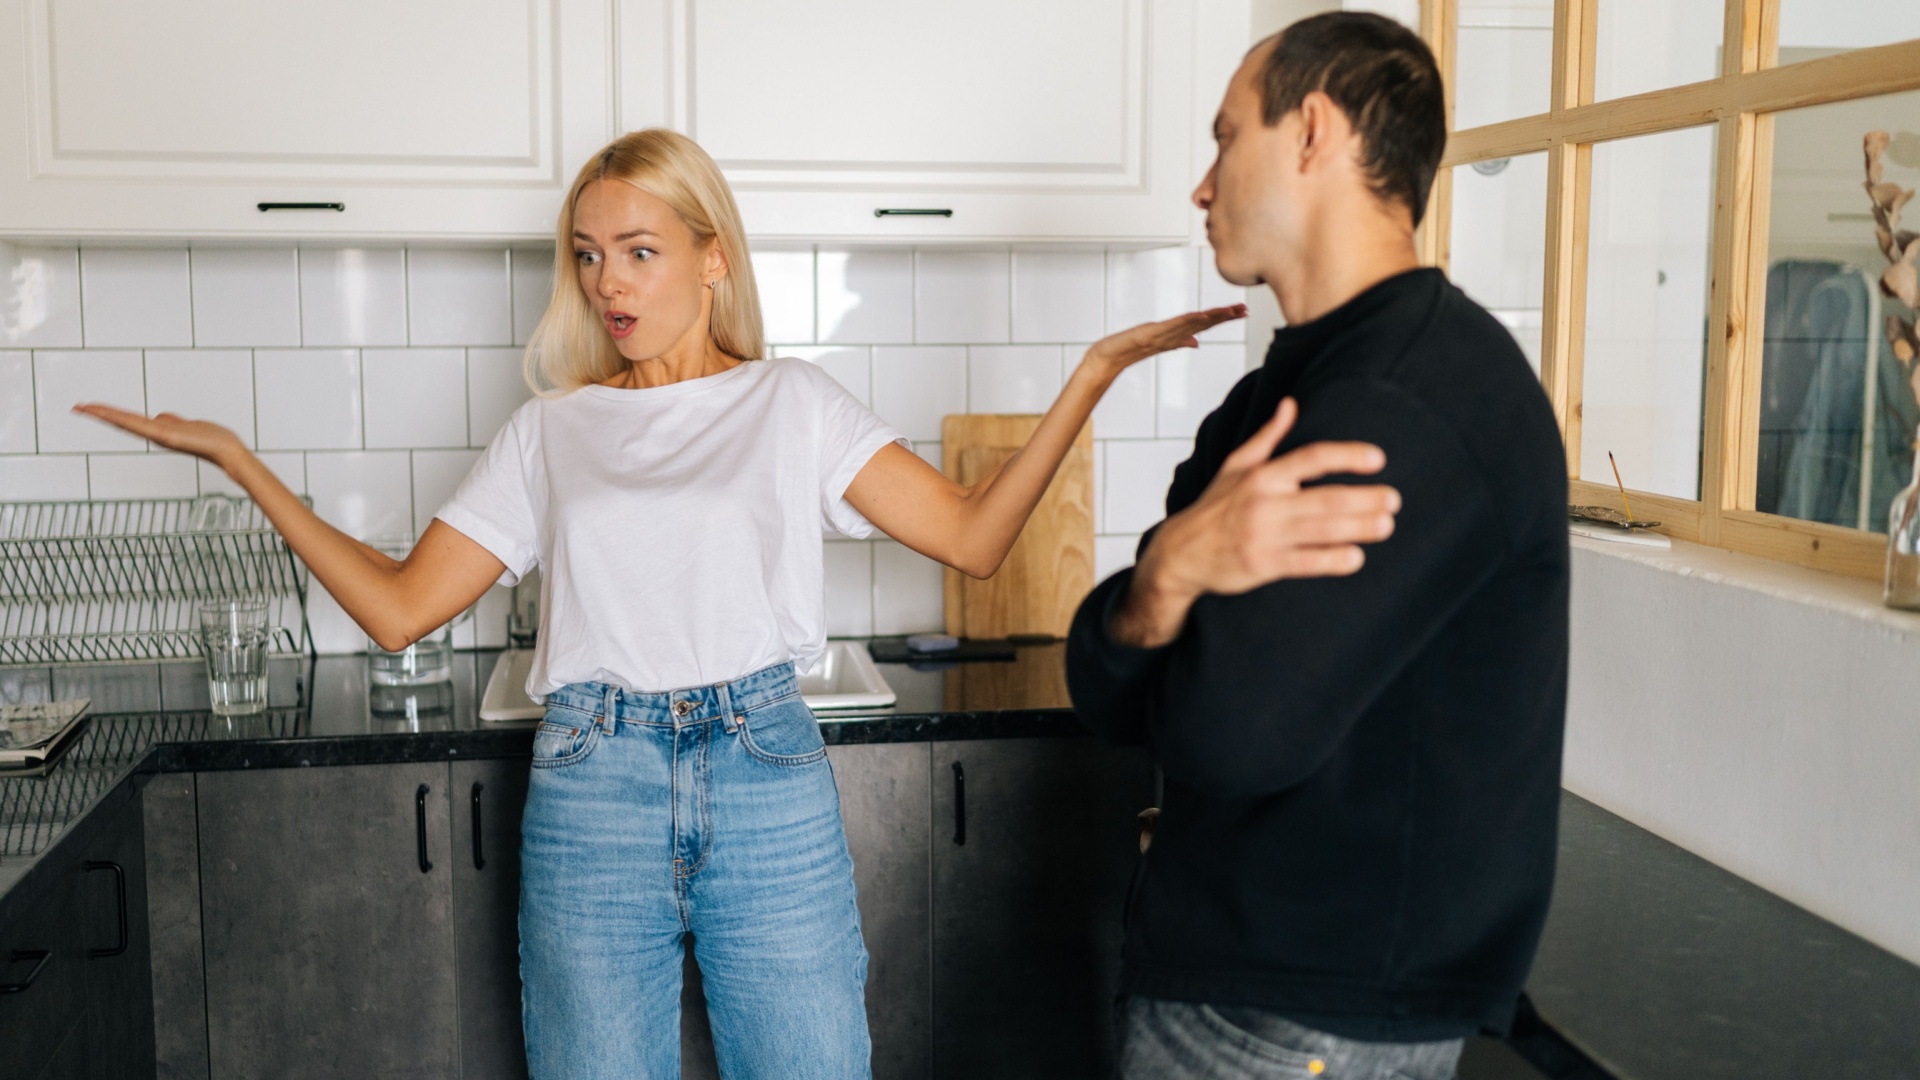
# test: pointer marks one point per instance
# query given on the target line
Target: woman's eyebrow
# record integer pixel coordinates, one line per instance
(578, 235)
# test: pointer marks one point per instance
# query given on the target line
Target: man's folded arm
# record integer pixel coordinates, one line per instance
(1259, 688)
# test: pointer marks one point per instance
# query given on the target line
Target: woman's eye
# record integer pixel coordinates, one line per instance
(586, 258)
(643, 254)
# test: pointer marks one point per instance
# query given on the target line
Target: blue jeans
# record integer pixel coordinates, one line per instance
(1176, 1040)
(710, 812)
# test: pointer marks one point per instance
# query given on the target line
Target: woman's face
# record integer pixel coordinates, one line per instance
(642, 270)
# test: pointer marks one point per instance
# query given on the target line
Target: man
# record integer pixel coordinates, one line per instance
(1361, 745)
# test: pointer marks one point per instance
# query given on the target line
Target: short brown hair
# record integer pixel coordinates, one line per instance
(1383, 77)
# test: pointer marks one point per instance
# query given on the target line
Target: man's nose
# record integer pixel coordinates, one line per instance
(1203, 195)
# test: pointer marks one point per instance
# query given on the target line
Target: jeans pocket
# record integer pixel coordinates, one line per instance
(783, 733)
(565, 737)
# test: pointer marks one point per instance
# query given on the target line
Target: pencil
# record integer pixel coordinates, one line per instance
(1621, 486)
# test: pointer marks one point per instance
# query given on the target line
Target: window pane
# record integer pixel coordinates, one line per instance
(1837, 408)
(1503, 61)
(1498, 248)
(1649, 245)
(1651, 44)
(1810, 28)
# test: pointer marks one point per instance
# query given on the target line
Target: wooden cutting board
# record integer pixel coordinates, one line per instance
(1050, 569)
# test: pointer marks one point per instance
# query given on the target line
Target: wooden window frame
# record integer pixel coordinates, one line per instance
(1740, 103)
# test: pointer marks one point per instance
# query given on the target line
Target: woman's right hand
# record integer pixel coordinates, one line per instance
(1117, 352)
(201, 438)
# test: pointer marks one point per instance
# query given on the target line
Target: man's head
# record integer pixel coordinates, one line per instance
(1335, 124)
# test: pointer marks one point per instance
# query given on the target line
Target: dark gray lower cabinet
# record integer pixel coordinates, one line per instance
(41, 989)
(327, 917)
(488, 797)
(1034, 844)
(118, 971)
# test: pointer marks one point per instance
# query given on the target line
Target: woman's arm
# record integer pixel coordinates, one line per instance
(396, 603)
(972, 527)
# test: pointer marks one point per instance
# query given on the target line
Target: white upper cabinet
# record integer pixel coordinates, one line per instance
(424, 118)
(466, 119)
(1066, 119)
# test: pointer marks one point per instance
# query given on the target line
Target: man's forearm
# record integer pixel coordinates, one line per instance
(1154, 608)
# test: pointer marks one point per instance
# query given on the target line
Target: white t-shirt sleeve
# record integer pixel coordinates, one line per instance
(494, 505)
(850, 435)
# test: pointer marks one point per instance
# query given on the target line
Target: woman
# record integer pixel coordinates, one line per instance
(674, 488)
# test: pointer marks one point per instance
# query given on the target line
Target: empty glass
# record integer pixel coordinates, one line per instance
(234, 639)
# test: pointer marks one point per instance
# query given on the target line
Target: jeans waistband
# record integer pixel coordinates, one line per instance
(720, 701)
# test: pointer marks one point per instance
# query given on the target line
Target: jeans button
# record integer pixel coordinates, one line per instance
(682, 707)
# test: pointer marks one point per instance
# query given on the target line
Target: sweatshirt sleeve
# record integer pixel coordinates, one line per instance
(1259, 688)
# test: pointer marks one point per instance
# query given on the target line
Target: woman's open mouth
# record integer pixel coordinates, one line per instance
(619, 323)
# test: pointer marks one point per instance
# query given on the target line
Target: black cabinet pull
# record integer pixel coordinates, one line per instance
(420, 825)
(336, 206)
(912, 211)
(959, 804)
(21, 956)
(120, 900)
(479, 858)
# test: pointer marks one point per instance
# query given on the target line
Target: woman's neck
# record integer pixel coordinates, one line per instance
(675, 365)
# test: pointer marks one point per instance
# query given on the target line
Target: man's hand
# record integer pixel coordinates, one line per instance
(1257, 524)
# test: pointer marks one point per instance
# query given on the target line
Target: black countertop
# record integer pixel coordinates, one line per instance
(1655, 964)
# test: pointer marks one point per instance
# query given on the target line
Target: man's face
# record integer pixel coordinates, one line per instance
(1248, 194)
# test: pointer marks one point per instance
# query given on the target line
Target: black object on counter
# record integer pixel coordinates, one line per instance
(894, 650)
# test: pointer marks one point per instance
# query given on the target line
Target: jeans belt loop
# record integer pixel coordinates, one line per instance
(723, 692)
(609, 707)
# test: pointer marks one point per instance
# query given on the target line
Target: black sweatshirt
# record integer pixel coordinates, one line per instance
(1362, 774)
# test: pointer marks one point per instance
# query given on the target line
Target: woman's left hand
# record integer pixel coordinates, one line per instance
(1119, 351)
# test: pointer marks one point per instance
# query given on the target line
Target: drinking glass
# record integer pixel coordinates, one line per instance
(428, 660)
(234, 639)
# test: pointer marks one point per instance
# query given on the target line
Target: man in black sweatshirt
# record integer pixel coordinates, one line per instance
(1356, 691)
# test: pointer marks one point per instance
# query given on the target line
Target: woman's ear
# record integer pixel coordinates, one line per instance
(716, 265)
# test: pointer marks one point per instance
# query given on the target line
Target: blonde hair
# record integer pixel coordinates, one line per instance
(571, 348)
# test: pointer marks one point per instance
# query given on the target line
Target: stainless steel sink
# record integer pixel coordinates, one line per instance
(845, 680)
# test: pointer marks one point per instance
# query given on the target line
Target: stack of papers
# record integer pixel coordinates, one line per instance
(31, 735)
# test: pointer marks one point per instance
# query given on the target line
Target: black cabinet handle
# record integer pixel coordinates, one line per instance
(912, 211)
(120, 899)
(336, 206)
(20, 956)
(420, 825)
(959, 804)
(479, 858)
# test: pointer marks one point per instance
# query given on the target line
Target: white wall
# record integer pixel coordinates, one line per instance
(370, 379)
(1763, 716)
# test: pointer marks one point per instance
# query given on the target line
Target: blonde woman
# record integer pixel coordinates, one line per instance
(673, 487)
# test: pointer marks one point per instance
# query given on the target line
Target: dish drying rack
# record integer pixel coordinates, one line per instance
(121, 580)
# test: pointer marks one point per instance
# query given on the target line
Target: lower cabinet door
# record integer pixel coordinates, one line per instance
(488, 798)
(1035, 841)
(884, 804)
(327, 921)
(42, 1018)
(117, 956)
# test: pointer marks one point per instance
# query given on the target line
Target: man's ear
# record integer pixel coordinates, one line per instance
(1324, 130)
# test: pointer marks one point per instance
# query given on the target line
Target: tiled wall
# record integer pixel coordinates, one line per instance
(370, 378)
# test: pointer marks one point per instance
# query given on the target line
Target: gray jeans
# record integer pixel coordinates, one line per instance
(1174, 1040)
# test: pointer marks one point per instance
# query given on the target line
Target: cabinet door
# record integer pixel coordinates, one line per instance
(1066, 119)
(42, 1024)
(1027, 901)
(488, 798)
(113, 936)
(426, 118)
(885, 805)
(329, 951)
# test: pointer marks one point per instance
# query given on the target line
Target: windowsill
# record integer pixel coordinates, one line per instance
(1814, 588)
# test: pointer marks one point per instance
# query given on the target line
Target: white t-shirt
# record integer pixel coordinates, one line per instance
(679, 529)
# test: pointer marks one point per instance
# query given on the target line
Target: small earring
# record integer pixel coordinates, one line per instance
(710, 284)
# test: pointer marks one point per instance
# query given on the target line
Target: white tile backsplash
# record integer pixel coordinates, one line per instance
(62, 380)
(135, 297)
(785, 280)
(864, 297)
(307, 399)
(414, 398)
(246, 296)
(353, 296)
(141, 476)
(1112, 554)
(916, 386)
(459, 296)
(1059, 295)
(40, 299)
(366, 494)
(496, 385)
(16, 403)
(203, 384)
(532, 289)
(1012, 378)
(311, 357)
(960, 297)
